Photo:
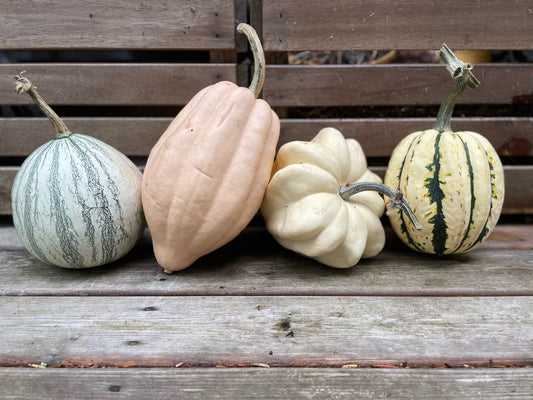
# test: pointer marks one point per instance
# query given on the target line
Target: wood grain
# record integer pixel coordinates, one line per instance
(114, 84)
(290, 383)
(135, 136)
(274, 330)
(382, 25)
(254, 264)
(391, 84)
(117, 24)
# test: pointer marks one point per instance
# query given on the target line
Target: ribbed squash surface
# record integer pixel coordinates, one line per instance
(206, 176)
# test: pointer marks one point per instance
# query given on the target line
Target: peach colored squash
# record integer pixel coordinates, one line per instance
(206, 176)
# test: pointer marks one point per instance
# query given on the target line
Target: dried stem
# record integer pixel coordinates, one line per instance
(24, 85)
(259, 57)
(458, 70)
(396, 198)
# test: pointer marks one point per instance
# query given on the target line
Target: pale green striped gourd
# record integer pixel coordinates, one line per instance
(76, 201)
(453, 181)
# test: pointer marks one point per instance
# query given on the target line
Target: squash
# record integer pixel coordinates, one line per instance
(453, 180)
(76, 201)
(206, 176)
(322, 203)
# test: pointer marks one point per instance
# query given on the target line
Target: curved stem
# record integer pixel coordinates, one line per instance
(458, 70)
(396, 198)
(259, 57)
(24, 85)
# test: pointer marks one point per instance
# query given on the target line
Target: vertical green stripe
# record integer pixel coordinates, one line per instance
(436, 195)
(403, 226)
(64, 228)
(472, 194)
(485, 231)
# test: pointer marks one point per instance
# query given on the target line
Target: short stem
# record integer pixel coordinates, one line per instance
(24, 85)
(259, 57)
(396, 198)
(459, 70)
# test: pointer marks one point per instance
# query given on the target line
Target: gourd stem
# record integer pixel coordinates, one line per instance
(396, 198)
(24, 85)
(458, 70)
(259, 57)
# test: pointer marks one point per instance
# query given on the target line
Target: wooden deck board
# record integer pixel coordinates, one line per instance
(254, 264)
(330, 331)
(271, 383)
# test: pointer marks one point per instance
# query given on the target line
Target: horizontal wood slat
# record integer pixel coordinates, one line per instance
(379, 136)
(254, 264)
(290, 383)
(518, 188)
(392, 84)
(117, 24)
(135, 136)
(327, 331)
(382, 25)
(114, 84)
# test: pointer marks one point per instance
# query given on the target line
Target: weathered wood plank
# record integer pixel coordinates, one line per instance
(275, 330)
(117, 24)
(379, 136)
(518, 188)
(380, 25)
(114, 84)
(392, 84)
(254, 264)
(290, 383)
(133, 136)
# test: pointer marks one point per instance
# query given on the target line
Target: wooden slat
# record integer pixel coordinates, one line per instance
(379, 136)
(391, 84)
(254, 264)
(133, 136)
(276, 330)
(130, 135)
(136, 136)
(518, 188)
(114, 84)
(117, 24)
(247, 383)
(382, 25)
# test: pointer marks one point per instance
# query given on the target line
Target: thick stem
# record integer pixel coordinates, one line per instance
(259, 57)
(24, 85)
(396, 198)
(458, 70)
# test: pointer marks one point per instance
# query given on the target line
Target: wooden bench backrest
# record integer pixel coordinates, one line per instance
(129, 103)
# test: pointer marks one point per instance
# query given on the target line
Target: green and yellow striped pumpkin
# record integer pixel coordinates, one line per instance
(453, 181)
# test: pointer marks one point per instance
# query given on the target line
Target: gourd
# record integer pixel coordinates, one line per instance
(454, 180)
(76, 201)
(206, 176)
(322, 200)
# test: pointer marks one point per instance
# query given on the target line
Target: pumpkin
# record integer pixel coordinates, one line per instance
(454, 180)
(322, 200)
(206, 176)
(76, 201)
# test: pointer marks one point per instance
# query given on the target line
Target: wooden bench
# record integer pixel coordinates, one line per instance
(253, 319)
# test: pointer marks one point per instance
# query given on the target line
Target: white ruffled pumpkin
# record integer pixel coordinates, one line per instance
(303, 207)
